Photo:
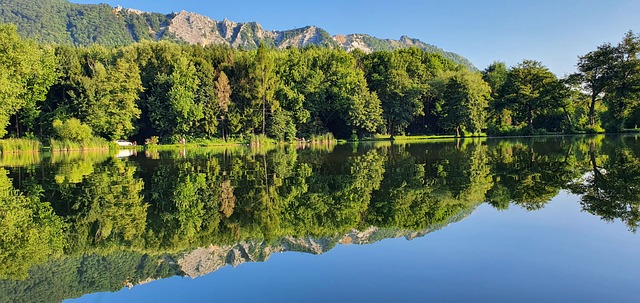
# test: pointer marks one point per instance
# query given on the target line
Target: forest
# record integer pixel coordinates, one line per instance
(164, 91)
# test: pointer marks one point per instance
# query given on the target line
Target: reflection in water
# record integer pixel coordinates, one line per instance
(83, 223)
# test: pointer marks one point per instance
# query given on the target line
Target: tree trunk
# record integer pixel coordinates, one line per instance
(264, 115)
(391, 130)
(17, 127)
(458, 131)
(264, 102)
(566, 113)
(592, 110)
(530, 122)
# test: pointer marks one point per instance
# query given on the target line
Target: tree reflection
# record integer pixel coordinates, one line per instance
(530, 174)
(611, 187)
(293, 199)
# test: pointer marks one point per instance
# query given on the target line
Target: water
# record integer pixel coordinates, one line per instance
(545, 219)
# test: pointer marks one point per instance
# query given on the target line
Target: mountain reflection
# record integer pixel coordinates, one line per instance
(79, 223)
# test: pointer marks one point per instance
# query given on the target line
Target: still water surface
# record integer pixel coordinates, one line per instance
(529, 220)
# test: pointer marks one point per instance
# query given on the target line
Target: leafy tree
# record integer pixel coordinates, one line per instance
(623, 91)
(388, 74)
(282, 127)
(496, 75)
(595, 71)
(172, 107)
(73, 130)
(265, 82)
(529, 89)
(26, 73)
(109, 102)
(466, 98)
(223, 95)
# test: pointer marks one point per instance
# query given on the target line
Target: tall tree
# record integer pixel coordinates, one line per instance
(466, 99)
(529, 89)
(223, 95)
(26, 73)
(109, 102)
(496, 75)
(173, 110)
(623, 90)
(595, 72)
(265, 82)
(400, 94)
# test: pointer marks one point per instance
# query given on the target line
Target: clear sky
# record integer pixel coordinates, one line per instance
(555, 32)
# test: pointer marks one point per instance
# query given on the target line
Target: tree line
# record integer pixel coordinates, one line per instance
(171, 91)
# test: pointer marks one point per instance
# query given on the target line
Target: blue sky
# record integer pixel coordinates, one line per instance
(552, 31)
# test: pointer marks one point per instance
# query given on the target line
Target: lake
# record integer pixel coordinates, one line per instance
(547, 219)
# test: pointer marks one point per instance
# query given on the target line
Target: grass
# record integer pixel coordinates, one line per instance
(328, 137)
(94, 143)
(260, 140)
(14, 145)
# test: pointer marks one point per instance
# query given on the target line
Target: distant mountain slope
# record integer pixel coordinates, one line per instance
(60, 21)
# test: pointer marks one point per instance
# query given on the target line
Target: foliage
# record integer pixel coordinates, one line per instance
(154, 140)
(611, 75)
(72, 130)
(466, 98)
(26, 73)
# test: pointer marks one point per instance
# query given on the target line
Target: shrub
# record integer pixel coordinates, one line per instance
(154, 140)
(596, 129)
(72, 130)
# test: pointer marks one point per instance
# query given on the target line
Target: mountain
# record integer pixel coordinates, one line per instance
(60, 21)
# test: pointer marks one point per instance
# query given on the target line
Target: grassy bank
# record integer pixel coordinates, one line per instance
(19, 145)
(90, 144)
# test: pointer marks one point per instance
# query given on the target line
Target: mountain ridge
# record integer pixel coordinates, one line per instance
(60, 21)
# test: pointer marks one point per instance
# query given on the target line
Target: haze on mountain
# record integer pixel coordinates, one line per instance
(63, 22)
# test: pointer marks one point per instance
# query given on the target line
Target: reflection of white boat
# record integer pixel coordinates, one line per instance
(123, 153)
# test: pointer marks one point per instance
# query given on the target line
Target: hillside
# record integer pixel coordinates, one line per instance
(60, 21)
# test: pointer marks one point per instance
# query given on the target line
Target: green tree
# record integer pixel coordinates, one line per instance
(466, 100)
(595, 71)
(400, 93)
(172, 107)
(73, 130)
(496, 75)
(110, 104)
(265, 83)
(26, 73)
(530, 88)
(623, 91)
(223, 95)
